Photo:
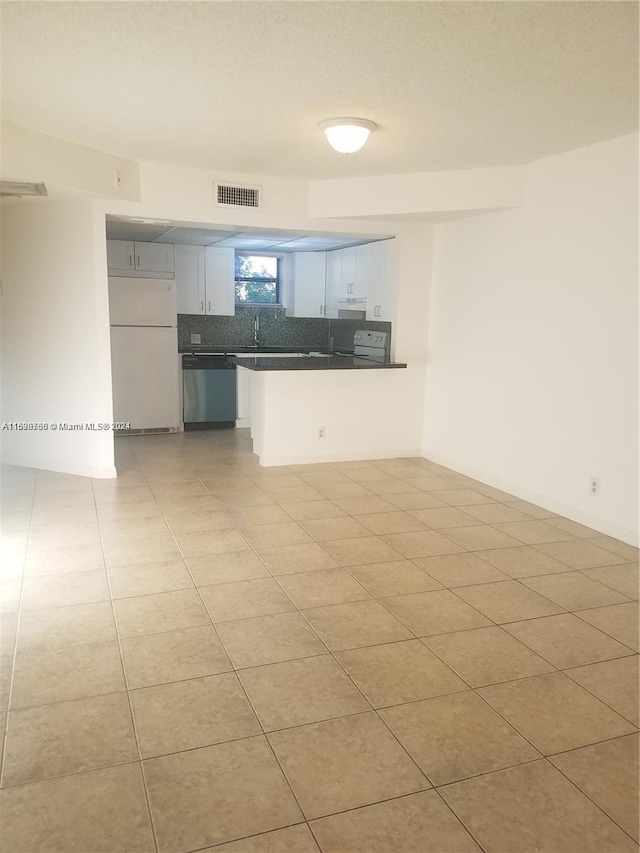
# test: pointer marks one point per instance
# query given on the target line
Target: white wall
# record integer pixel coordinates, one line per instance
(66, 168)
(466, 190)
(364, 413)
(55, 335)
(186, 194)
(532, 371)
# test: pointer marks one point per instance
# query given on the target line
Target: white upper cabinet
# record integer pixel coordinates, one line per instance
(303, 284)
(348, 273)
(205, 280)
(220, 281)
(190, 279)
(381, 280)
(334, 289)
(120, 255)
(141, 259)
(154, 257)
(362, 274)
(348, 278)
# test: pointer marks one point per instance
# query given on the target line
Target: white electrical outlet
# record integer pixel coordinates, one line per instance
(196, 339)
(594, 487)
(117, 180)
(322, 432)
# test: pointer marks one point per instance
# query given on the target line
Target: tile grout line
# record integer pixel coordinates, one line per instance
(5, 730)
(365, 698)
(588, 796)
(131, 715)
(298, 610)
(242, 687)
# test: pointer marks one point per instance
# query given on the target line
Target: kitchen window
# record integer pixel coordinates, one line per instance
(257, 279)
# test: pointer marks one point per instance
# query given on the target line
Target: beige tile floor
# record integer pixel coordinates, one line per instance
(366, 657)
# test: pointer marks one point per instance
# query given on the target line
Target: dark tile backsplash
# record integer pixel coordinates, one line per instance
(276, 329)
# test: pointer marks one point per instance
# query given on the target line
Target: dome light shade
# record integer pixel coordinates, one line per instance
(347, 135)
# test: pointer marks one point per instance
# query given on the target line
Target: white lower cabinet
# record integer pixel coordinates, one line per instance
(304, 284)
(205, 280)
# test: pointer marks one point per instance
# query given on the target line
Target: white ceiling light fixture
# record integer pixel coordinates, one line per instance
(347, 135)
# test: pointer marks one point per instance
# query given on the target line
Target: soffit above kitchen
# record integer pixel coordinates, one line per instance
(241, 87)
(243, 239)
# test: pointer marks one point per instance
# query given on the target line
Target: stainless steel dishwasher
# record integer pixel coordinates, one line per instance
(209, 391)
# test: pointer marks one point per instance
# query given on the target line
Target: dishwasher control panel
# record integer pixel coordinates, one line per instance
(207, 362)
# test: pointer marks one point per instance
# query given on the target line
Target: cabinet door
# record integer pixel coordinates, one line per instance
(154, 257)
(190, 280)
(119, 255)
(348, 283)
(382, 271)
(334, 279)
(376, 299)
(309, 281)
(220, 281)
(385, 310)
(362, 272)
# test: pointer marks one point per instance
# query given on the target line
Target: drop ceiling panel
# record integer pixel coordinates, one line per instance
(194, 236)
(303, 245)
(117, 230)
(260, 239)
(236, 243)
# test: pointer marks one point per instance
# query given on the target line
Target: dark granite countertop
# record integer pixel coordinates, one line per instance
(332, 362)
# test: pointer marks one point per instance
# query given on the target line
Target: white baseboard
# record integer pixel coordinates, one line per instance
(602, 525)
(315, 458)
(96, 473)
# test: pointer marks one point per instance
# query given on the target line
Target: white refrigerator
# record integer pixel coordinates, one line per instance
(144, 353)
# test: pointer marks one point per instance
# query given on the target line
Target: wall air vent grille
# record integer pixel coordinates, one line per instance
(227, 195)
(18, 189)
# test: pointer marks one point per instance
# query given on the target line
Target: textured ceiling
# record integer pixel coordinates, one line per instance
(242, 86)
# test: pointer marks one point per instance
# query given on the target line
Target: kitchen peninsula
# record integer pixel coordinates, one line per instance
(326, 409)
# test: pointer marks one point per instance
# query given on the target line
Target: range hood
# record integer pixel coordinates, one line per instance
(353, 313)
(352, 303)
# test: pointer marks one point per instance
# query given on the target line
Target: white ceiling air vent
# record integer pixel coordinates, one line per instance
(237, 195)
(18, 189)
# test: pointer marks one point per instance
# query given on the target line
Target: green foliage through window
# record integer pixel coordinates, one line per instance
(257, 279)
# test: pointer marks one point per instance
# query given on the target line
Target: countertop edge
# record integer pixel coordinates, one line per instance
(313, 363)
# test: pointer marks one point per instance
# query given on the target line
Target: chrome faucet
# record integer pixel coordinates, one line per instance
(256, 328)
